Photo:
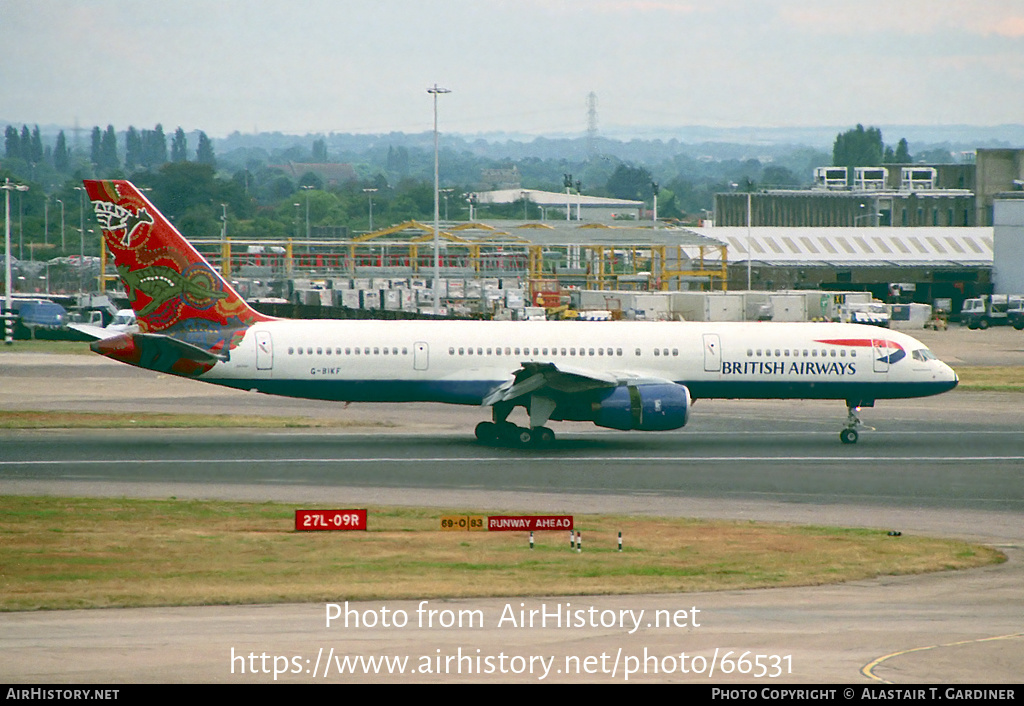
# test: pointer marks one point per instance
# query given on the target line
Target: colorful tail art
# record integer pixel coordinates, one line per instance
(175, 293)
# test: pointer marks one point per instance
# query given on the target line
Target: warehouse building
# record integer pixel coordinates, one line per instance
(927, 263)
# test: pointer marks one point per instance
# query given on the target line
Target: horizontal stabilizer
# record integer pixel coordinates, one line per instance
(92, 331)
(154, 351)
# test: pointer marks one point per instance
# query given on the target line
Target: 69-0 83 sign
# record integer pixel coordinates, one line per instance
(326, 520)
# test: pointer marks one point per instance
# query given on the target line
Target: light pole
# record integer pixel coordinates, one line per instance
(435, 91)
(445, 193)
(62, 246)
(874, 214)
(81, 254)
(370, 193)
(306, 189)
(750, 255)
(567, 181)
(8, 187)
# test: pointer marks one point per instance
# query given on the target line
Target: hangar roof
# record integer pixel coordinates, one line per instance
(622, 234)
(943, 246)
(553, 198)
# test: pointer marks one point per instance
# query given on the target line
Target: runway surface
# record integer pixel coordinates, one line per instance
(950, 466)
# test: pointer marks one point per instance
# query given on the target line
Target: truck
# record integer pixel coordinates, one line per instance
(875, 313)
(1015, 313)
(988, 310)
(37, 315)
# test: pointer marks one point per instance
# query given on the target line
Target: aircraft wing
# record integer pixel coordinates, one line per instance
(532, 377)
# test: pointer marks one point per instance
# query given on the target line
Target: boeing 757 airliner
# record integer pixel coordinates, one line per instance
(621, 375)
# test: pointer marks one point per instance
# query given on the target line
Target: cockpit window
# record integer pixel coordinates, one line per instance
(923, 355)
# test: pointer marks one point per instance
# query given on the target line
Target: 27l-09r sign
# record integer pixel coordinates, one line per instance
(323, 520)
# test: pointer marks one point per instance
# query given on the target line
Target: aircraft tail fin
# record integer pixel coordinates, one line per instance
(172, 288)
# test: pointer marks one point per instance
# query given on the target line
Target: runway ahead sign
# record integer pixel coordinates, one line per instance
(506, 523)
(528, 523)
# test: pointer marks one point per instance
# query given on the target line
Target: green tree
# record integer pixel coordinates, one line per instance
(628, 182)
(108, 160)
(12, 143)
(36, 147)
(778, 176)
(858, 148)
(179, 146)
(311, 179)
(96, 145)
(320, 150)
(154, 147)
(132, 149)
(903, 152)
(204, 153)
(61, 154)
(182, 186)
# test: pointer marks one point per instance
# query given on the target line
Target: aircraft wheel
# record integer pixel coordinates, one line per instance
(507, 431)
(487, 432)
(523, 437)
(542, 436)
(848, 436)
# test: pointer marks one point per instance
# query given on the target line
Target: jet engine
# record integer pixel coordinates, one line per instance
(644, 407)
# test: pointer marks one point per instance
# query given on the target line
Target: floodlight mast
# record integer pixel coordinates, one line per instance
(437, 209)
(8, 187)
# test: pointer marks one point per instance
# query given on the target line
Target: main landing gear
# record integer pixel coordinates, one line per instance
(502, 431)
(509, 433)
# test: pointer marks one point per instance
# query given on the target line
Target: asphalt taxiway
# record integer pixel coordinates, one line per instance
(950, 465)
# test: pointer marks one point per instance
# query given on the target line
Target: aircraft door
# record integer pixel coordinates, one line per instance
(712, 353)
(264, 351)
(880, 351)
(420, 355)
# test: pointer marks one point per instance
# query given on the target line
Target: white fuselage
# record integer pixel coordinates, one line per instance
(463, 361)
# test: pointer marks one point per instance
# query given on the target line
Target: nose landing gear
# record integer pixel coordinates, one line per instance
(850, 433)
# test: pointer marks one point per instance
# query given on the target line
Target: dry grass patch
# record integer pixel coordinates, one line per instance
(156, 420)
(999, 378)
(61, 347)
(76, 553)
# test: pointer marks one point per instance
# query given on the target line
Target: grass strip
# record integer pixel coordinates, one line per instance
(157, 420)
(991, 378)
(61, 553)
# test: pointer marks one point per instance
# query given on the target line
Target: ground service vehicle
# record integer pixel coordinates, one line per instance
(987, 310)
(1015, 313)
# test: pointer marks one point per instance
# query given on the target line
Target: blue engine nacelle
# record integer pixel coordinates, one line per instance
(652, 407)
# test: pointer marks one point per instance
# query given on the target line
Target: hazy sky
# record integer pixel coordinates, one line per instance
(512, 65)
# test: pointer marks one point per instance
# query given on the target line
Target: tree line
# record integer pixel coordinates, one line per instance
(142, 149)
(248, 192)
